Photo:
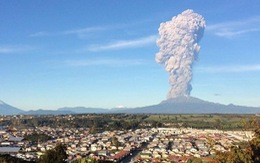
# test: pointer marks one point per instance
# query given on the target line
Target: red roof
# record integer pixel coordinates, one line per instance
(120, 155)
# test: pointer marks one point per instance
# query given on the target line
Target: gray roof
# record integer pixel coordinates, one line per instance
(16, 139)
(9, 149)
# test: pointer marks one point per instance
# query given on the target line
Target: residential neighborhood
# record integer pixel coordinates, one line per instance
(139, 145)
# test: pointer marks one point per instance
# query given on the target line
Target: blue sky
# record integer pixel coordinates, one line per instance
(102, 53)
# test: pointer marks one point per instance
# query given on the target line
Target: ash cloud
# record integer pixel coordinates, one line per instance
(178, 49)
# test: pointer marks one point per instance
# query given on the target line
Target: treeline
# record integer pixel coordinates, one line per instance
(98, 122)
(101, 122)
(6, 158)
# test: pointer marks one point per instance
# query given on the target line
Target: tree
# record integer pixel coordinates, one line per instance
(115, 142)
(218, 123)
(255, 142)
(6, 158)
(93, 129)
(247, 152)
(90, 160)
(82, 160)
(195, 160)
(55, 155)
(35, 137)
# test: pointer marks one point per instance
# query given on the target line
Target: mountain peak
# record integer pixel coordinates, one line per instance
(183, 99)
(6, 109)
(1, 102)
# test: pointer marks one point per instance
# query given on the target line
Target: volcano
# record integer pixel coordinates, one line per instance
(6, 109)
(192, 105)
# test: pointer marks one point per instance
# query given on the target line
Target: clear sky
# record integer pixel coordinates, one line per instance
(102, 53)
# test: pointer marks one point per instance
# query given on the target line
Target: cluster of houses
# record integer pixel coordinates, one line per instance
(144, 145)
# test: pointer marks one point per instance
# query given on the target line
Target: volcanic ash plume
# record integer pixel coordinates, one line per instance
(178, 43)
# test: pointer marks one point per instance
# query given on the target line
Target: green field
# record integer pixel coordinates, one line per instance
(203, 121)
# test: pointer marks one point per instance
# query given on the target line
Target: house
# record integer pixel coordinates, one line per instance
(145, 155)
(9, 150)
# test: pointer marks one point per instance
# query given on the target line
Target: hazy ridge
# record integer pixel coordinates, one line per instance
(179, 105)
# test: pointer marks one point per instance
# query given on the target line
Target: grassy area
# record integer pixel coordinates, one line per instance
(220, 121)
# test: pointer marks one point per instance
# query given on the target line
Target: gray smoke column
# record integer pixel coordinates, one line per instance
(178, 43)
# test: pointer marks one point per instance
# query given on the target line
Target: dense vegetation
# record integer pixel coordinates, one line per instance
(246, 151)
(55, 155)
(101, 122)
(6, 158)
(90, 160)
(35, 137)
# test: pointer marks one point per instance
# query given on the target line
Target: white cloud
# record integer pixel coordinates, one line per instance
(230, 69)
(40, 34)
(235, 28)
(7, 49)
(83, 30)
(140, 42)
(79, 32)
(104, 62)
(230, 34)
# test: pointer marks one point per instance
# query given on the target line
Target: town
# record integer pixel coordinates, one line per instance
(146, 144)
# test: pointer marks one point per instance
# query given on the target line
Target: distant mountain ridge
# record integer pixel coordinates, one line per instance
(6, 109)
(178, 105)
(79, 110)
(46, 112)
